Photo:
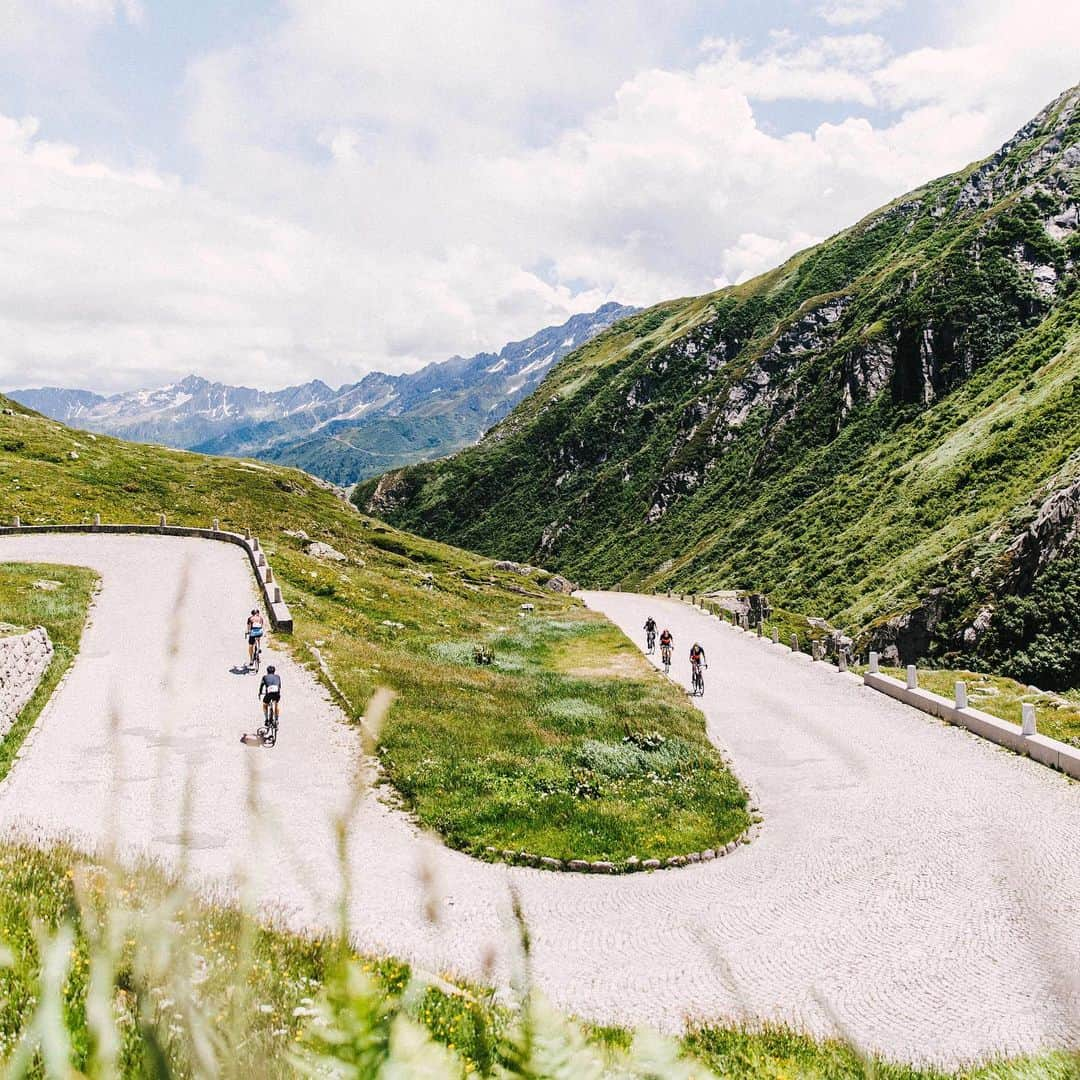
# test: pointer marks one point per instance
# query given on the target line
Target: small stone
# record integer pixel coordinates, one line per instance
(694, 856)
(73, 454)
(633, 863)
(509, 856)
(296, 534)
(579, 866)
(731, 847)
(676, 860)
(651, 864)
(528, 858)
(550, 864)
(602, 867)
(708, 855)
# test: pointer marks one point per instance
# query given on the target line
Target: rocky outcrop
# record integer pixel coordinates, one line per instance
(23, 661)
(1053, 531)
(554, 583)
(321, 550)
(906, 638)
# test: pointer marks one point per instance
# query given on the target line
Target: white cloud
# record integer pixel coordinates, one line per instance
(855, 12)
(380, 191)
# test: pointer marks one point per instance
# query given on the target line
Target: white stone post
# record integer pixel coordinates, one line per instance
(277, 594)
(775, 636)
(912, 677)
(1027, 726)
(794, 642)
(161, 521)
(18, 523)
(247, 534)
(269, 576)
(961, 694)
(874, 660)
(255, 544)
(97, 520)
(217, 525)
(841, 659)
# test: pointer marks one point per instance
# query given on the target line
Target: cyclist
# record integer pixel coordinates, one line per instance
(697, 661)
(666, 642)
(650, 633)
(270, 692)
(253, 632)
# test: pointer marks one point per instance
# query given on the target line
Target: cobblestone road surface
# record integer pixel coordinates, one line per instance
(912, 886)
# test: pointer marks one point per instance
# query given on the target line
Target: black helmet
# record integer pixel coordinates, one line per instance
(269, 669)
(254, 611)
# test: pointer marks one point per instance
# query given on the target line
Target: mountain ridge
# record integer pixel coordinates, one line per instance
(822, 432)
(339, 434)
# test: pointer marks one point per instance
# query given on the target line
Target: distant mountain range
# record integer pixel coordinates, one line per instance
(344, 435)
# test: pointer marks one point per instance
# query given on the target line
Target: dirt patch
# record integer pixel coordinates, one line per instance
(620, 666)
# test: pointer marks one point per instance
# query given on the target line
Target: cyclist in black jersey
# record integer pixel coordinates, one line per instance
(270, 693)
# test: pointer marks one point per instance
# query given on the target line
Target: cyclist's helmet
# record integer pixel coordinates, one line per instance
(269, 669)
(254, 611)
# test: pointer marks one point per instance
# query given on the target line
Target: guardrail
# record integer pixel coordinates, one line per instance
(1024, 740)
(278, 610)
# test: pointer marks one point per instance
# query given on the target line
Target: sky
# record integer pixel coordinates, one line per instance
(270, 191)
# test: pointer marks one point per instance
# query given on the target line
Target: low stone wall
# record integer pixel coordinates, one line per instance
(1041, 748)
(24, 659)
(280, 616)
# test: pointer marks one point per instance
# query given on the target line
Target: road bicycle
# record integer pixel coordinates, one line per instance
(697, 680)
(650, 641)
(665, 656)
(256, 654)
(268, 734)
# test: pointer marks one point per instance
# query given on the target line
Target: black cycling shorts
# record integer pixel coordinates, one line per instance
(271, 699)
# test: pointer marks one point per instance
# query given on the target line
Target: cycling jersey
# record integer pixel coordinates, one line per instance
(270, 687)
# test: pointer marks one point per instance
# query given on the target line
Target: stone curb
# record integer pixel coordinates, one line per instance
(627, 866)
(1040, 748)
(280, 616)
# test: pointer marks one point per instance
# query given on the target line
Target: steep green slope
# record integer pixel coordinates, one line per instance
(884, 431)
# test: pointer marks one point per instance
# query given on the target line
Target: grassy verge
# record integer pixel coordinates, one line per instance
(527, 753)
(114, 973)
(1057, 717)
(56, 597)
(567, 745)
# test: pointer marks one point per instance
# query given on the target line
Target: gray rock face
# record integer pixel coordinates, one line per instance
(905, 638)
(1054, 530)
(23, 660)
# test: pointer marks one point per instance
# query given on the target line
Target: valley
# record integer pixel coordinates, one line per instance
(884, 431)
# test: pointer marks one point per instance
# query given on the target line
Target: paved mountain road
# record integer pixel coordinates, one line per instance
(911, 885)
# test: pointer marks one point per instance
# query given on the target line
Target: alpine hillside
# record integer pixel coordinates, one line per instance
(883, 431)
(342, 435)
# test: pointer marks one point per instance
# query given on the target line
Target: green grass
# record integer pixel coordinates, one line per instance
(487, 757)
(544, 761)
(113, 972)
(61, 608)
(1056, 717)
